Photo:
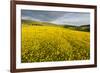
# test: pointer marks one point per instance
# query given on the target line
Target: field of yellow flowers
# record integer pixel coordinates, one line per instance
(50, 43)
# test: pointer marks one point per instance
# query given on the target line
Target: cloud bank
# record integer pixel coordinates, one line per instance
(58, 17)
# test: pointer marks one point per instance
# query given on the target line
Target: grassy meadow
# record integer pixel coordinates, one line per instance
(43, 42)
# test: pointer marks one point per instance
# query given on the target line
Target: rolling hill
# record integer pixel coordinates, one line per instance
(44, 42)
(85, 28)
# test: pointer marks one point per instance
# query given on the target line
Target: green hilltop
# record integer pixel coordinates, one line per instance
(85, 28)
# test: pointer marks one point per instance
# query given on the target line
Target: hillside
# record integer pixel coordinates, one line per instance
(85, 28)
(37, 23)
(45, 43)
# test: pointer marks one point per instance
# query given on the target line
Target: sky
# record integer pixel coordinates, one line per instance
(57, 17)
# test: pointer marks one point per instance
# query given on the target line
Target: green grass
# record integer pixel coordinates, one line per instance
(50, 43)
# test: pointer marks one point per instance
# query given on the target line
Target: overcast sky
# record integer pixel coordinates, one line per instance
(58, 17)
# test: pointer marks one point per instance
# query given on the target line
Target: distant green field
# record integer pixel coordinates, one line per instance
(53, 43)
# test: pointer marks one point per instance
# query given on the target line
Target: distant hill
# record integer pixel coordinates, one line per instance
(85, 28)
(39, 23)
(79, 28)
(88, 25)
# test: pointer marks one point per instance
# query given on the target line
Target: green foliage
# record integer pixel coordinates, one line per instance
(85, 28)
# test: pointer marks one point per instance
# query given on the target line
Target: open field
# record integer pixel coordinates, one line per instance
(53, 43)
